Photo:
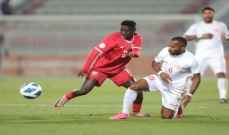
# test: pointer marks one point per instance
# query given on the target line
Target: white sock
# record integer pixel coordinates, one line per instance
(222, 87)
(129, 97)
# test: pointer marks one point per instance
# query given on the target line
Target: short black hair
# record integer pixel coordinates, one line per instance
(207, 8)
(181, 40)
(129, 23)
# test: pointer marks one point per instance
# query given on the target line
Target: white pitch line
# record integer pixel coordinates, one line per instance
(69, 106)
(83, 106)
(51, 105)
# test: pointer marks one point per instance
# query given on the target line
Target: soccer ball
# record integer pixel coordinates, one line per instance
(31, 90)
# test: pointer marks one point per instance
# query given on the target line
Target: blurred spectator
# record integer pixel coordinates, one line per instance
(6, 9)
(1, 49)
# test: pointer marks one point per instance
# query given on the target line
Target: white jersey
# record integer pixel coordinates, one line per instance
(209, 46)
(180, 68)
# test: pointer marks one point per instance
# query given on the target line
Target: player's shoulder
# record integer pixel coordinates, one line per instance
(220, 23)
(164, 51)
(113, 35)
(189, 56)
(137, 35)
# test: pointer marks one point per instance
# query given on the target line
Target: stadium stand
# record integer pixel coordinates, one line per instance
(9, 7)
(60, 33)
(113, 6)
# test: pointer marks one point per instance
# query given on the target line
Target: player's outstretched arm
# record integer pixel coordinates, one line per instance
(195, 82)
(196, 79)
(157, 68)
(190, 37)
(197, 38)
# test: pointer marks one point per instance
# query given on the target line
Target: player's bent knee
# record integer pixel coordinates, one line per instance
(166, 116)
(167, 113)
(134, 87)
(139, 86)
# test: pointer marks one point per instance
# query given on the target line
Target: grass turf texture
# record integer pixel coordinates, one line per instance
(89, 115)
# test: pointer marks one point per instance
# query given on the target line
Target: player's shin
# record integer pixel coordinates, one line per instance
(129, 97)
(63, 100)
(70, 95)
(136, 108)
(137, 105)
(222, 87)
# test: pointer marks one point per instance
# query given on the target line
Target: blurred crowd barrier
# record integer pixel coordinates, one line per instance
(57, 45)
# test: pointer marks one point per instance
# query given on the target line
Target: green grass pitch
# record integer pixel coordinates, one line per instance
(89, 115)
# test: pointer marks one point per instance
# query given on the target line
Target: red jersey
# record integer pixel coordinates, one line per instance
(110, 56)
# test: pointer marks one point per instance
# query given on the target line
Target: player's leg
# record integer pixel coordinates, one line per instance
(133, 92)
(167, 113)
(218, 65)
(222, 86)
(129, 98)
(87, 86)
(137, 105)
(180, 113)
(203, 65)
(170, 104)
(94, 79)
(184, 103)
(125, 79)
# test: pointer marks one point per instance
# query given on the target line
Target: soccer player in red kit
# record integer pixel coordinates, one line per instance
(108, 60)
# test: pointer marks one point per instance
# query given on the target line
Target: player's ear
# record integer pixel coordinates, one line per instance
(183, 48)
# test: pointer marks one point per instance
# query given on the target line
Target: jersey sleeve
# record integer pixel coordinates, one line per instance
(225, 31)
(195, 68)
(162, 54)
(191, 30)
(90, 60)
(107, 44)
(137, 46)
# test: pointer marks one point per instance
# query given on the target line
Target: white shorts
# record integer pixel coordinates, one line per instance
(169, 100)
(217, 64)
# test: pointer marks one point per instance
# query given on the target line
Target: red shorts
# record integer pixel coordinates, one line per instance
(119, 78)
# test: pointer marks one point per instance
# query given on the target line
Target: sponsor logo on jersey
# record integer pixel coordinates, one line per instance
(102, 45)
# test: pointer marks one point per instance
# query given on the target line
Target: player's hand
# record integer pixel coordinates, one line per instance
(127, 53)
(187, 99)
(165, 77)
(80, 73)
(225, 36)
(130, 54)
(207, 36)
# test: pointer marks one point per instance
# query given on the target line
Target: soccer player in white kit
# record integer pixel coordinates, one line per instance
(209, 35)
(176, 77)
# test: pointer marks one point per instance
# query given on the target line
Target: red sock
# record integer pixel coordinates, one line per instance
(69, 95)
(180, 111)
(136, 108)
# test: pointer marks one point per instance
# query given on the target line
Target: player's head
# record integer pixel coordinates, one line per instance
(128, 28)
(177, 45)
(208, 14)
